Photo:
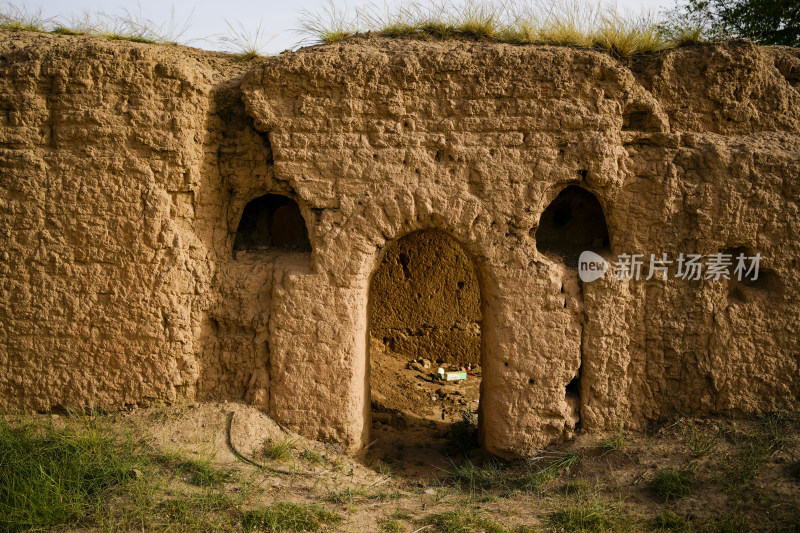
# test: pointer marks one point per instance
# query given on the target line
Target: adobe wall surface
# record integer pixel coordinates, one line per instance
(125, 170)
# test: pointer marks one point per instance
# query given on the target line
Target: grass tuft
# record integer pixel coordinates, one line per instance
(589, 515)
(615, 442)
(672, 484)
(463, 521)
(383, 468)
(290, 517)
(487, 476)
(280, 450)
(671, 521)
(127, 25)
(201, 473)
(697, 441)
(495, 475)
(17, 17)
(244, 43)
(332, 24)
(730, 523)
(390, 525)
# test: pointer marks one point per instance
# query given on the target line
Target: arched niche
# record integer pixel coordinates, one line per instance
(272, 222)
(572, 223)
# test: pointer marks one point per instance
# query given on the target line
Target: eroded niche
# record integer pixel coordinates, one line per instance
(747, 289)
(272, 222)
(424, 313)
(574, 222)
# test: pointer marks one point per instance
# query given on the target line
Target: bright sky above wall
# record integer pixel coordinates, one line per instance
(277, 19)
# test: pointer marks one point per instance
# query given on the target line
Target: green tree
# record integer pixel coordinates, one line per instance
(762, 21)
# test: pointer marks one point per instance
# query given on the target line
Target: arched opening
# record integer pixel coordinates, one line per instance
(572, 223)
(272, 222)
(424, 314)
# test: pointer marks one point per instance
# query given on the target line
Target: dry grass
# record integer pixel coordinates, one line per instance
(576, 23)
(244, 43)
(18, 17)
(126, 25)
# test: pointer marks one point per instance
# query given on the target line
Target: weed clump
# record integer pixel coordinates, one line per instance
(464, 521)
(290, 517)
(670, 521)
(672, 484)
(278, 450)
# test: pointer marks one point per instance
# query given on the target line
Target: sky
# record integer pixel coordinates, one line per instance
(275, 20)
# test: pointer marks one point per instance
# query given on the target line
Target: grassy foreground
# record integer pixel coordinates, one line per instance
(164, 470)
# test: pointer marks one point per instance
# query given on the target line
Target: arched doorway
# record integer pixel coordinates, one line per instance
(424, 314)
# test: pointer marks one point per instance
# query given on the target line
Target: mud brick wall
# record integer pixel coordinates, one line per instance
(125, 171)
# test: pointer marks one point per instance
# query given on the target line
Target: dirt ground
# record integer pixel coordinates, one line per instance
(741, 475)
(415, 413)
(744, 471)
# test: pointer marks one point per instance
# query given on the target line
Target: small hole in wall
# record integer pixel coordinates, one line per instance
(531, 381)
(272, 221)
(747, 290)
(460, 284)
(789, 69)
(573, 388)
(505, 363)
(637, 118)
(572, 395)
